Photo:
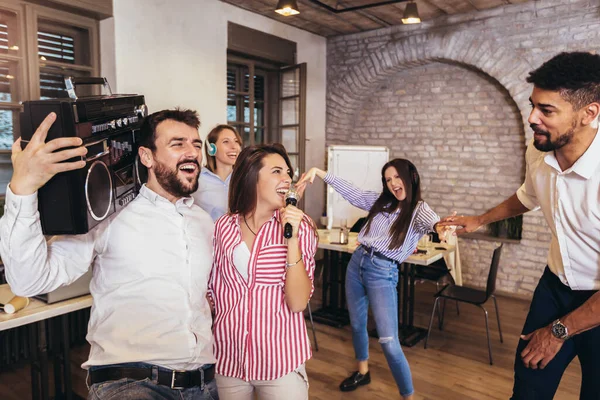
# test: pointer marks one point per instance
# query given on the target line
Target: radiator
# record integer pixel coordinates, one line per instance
(15, 343)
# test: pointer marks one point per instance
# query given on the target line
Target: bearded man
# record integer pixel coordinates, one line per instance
(563, 180)
(150, 324)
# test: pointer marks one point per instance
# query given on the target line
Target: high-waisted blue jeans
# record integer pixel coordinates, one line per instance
(373, 280)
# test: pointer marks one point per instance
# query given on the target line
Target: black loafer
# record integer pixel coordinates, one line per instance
(355, 380)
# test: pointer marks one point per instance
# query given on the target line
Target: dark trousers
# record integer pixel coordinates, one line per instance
(553, 300)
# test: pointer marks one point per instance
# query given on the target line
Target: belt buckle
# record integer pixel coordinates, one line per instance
(173, 380)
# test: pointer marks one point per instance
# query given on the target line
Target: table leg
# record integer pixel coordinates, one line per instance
(66, 346)
(325, 283)
(35, 364)
(39, 361)
(55, 334)
(64, 360)
(333, 312)
(410, 334)
(334, 279)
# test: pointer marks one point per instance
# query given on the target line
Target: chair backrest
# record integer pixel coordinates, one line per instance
(358, 225)
(491, 282)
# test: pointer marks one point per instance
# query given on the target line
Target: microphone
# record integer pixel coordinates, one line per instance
(291, 197)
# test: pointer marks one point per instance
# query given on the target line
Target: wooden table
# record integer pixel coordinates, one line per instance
(35, 315)
(334, 311)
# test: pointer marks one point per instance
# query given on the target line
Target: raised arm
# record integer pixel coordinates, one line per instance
(33, 266)
(363, 199)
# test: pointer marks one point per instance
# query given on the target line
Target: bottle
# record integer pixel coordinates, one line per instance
(343, 232)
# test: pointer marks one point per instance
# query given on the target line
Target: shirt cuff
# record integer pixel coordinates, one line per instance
(329, 178)
(435, 221)
(23, 205)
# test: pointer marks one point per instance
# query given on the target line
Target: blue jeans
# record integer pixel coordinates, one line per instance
(370, 279)
(147, 389)
(552, 300)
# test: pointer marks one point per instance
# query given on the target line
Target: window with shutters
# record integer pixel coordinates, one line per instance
(247, 106)
(12, 67)
(39, 47)
(267, 102)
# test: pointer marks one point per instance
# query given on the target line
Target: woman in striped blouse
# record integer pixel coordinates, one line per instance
(397, 219)
(261, 282)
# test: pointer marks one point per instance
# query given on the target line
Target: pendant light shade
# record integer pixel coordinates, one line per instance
(287, 7)
(411, 14)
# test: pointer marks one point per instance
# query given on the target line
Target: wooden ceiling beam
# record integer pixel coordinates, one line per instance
(355, 7)
(337, 17)
(319, 20)
(299, 21)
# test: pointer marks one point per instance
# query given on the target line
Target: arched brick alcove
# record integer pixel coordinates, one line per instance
(353, 98)
(348, 92)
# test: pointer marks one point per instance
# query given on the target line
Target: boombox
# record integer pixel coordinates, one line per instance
(74, 202)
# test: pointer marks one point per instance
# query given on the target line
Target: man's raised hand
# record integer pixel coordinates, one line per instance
(40, 161)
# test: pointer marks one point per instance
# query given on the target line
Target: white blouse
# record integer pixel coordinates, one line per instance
(241, 259)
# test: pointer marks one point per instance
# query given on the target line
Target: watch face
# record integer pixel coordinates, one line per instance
(559, 330)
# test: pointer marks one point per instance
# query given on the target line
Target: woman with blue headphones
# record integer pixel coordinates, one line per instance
(223, 145)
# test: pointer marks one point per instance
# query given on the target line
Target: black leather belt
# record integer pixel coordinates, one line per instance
(171, 378)
(375, 253)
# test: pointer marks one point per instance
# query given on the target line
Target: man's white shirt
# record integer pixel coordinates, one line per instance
(151, 264)
(570, 202)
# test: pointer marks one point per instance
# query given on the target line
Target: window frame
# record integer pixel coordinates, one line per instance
(29, 17)
(270, 73)
(20, 60)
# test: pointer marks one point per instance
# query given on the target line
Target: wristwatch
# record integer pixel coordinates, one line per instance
(559, 330)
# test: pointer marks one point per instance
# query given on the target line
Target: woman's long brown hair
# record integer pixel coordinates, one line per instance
(244, 178)
(387, 202)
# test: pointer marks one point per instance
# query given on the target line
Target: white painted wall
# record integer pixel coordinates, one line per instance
(175, 53)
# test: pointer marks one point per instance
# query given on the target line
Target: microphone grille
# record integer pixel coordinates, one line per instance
(291, 194)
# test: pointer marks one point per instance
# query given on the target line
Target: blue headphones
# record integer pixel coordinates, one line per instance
(212, 149)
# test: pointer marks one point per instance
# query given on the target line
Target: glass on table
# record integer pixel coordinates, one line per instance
(424, 242)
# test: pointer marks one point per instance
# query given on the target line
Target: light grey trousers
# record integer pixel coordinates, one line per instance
(293, 386)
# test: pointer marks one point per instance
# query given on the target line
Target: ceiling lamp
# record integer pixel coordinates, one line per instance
(287, 8)
(411, 14)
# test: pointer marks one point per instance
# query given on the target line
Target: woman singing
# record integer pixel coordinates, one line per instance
(261, 282)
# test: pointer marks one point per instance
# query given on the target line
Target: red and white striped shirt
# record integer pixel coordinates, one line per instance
(257, 336)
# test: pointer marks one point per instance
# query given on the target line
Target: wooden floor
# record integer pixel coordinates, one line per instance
(455, 366)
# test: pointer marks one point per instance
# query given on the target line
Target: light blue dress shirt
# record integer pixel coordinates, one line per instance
(212, 193)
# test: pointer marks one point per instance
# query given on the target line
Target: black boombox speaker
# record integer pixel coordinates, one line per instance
(74, 202)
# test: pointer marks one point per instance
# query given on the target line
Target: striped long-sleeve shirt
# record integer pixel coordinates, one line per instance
(379, 238)
(257, 336)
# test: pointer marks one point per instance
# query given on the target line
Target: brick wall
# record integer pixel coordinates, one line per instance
(451, 96)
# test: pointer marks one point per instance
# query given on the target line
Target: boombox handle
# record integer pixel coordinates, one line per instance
(72, 81)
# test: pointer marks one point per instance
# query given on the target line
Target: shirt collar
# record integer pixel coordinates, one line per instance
(587, 163)
(236, 218)
(156, 199)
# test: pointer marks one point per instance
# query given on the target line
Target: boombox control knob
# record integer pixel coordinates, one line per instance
(112, 124)
(141, 111)
(125, 121)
